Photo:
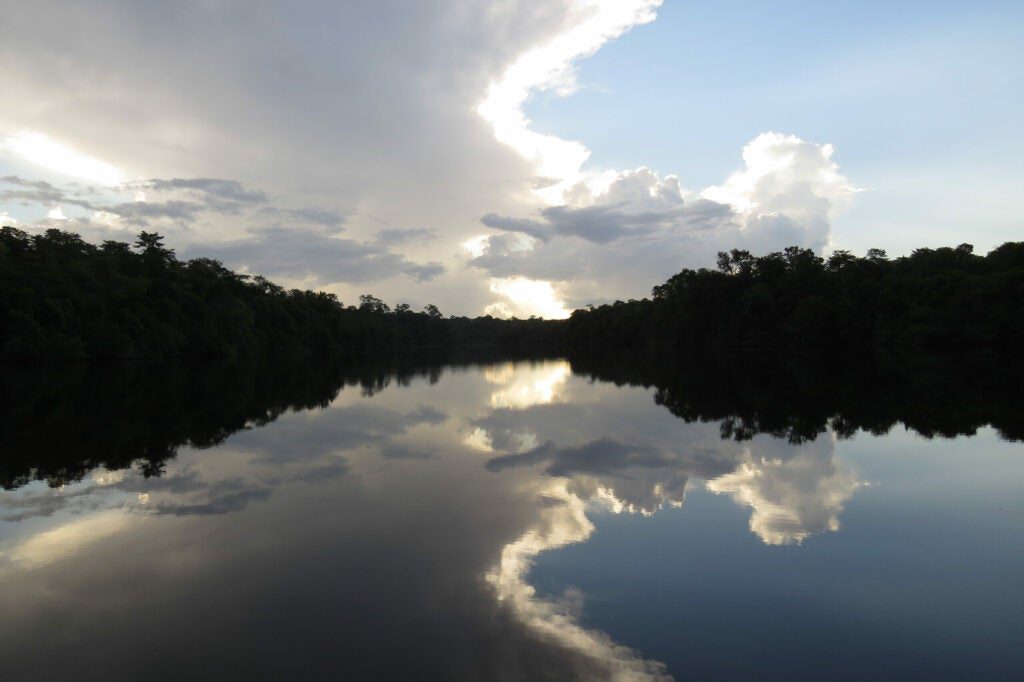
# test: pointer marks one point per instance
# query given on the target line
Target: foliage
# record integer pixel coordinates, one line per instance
(63, 298)
(795, 300)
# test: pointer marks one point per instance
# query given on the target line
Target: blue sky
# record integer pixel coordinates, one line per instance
(923, 101)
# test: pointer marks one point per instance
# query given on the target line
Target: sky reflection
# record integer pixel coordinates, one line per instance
(413, 516)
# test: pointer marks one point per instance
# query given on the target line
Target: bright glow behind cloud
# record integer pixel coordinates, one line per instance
(521, 387)
(528, 297)
(50, 154)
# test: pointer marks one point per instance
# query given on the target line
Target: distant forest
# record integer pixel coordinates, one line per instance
(795, 301)
(64, 298)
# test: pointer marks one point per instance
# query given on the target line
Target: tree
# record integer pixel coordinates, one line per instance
(431, 310)
(154, 253)
(841, 259)
(371, 304)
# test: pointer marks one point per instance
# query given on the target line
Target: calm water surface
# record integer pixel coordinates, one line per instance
(504, 521)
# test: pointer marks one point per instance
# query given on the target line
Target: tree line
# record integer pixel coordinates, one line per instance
(64, 298)
(795, 300)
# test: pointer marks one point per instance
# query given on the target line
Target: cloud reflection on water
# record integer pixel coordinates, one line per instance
(558, 448)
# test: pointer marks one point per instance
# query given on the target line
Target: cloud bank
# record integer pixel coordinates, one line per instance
(352, 148)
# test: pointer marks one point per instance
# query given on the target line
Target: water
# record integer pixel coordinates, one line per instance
(504, 520)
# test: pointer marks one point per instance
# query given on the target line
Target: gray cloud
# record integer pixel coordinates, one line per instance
(338, 113)
(38, 192)
(608, 223)
(640, 230)
(225, 497)
(355, 115)
(401, 236)
(598, 457)
(295, 251)
(307, 253)
(143, 213)
(534, 228)
(318, 216)
(214, 188)
(424, 272)
(295, 439)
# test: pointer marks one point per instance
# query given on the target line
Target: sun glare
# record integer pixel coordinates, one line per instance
(530, 297)
(46, 152)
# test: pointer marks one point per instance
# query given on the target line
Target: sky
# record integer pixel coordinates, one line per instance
(521, 157)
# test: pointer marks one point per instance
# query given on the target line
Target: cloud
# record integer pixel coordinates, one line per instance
(329, 119)
(549, 66)
(342, 429)
(600, 456)
(44, 151)
(167, 203)
(225, 497)
(315, 256)
(602, 224)
(142, 214)
(794, 495)
(562, 521)
(66, 539)
(57, 214)
(337, 114)
(634, 478)
(30, 192)
(424, 272)
(787, 187)
(528, 226)
(211, 188)
(624, 232)
(629, 460)
(393, 236)
(793, 491)
(297, 252)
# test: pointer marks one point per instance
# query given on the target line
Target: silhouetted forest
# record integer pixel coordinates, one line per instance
(795, 300)
(63, 298)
